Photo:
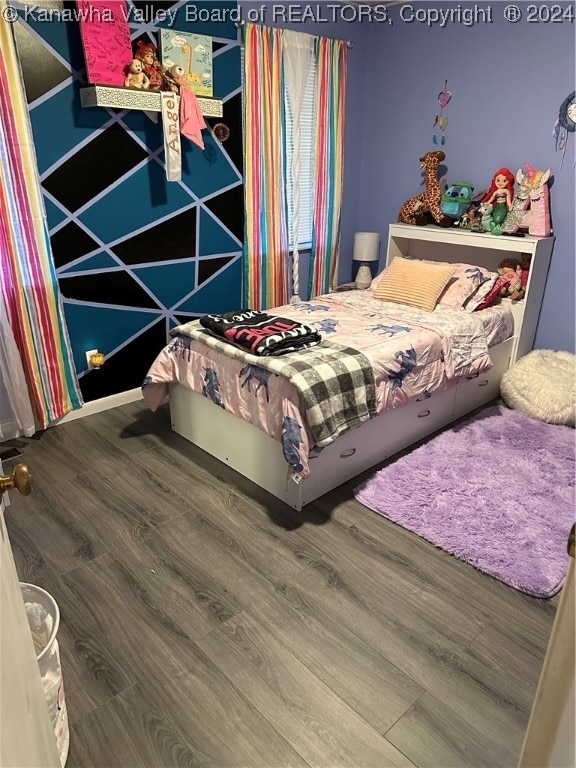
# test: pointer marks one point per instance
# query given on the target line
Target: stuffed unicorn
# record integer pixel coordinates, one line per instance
(531, 204)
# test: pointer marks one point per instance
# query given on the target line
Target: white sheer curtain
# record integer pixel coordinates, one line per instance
(16, 415)
(297, 53)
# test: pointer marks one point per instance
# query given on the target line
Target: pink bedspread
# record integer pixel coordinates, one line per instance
(413, 353)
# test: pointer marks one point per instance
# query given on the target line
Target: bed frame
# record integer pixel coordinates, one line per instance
(259, 457)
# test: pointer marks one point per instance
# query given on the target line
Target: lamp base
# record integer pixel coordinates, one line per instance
(363, 277)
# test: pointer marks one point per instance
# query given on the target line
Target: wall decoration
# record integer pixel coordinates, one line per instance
(565, 124)
(191, 52)
(222, 132)
(441, 120)
(172, 146)
(106, 40)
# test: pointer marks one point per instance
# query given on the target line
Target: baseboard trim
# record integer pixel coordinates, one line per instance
(103, 404)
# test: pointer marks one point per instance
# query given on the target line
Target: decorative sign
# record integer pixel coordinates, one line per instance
(172, 145)
(106, 40)
(191, 52)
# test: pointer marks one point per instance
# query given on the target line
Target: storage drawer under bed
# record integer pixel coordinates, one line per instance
(474, 391)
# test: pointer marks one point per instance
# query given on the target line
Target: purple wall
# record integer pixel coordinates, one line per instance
(501, 114)
(508, 81)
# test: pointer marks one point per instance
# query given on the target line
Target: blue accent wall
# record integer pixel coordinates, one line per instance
(135, 254)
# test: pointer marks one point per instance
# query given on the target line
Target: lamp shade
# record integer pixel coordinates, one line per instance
(366, 246)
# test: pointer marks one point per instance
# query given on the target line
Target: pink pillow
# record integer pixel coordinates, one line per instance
(466, 289)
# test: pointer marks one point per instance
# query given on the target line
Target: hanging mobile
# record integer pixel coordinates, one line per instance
(441, 120)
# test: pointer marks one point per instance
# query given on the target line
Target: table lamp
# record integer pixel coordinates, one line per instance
(366, 249)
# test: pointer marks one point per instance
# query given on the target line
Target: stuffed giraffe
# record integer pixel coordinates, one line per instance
(414, 210)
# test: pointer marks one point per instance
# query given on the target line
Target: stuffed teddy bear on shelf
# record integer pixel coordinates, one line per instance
(136, 78)
(174, 79)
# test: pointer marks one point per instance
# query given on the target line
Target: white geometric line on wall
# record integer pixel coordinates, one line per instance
(174, 307)
(151, 155)
(235, 256)
(191, 194)
(52, 92)
(114, 118)
(230, 163)
(61, 271)
(220, 223)
(220, 254)
(235, 92)
(22, 7)
(156, 156)
(106, 249)
(151, 225)
(140, 265)
(121, 307)
(113, 243)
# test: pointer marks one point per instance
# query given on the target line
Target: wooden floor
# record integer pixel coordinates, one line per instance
(206, 624)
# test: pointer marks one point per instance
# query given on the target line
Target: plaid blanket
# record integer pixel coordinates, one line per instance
(335, 383)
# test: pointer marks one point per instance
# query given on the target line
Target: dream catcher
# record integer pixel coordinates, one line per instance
(441, 120)
(221, 131)
(565, 124)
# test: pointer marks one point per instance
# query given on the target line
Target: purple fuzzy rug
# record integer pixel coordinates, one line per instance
(496, 491)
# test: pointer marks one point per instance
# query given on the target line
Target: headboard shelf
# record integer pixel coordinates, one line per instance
(463, 238)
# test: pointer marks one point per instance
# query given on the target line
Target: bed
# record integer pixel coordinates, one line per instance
(427, 368)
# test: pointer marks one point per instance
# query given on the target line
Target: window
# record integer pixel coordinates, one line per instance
(306, 207)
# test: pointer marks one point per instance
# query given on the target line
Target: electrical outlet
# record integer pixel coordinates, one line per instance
(88, 363)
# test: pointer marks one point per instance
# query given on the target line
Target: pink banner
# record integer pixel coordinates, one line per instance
(106, 40)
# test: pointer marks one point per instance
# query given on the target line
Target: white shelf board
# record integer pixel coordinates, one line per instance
(455, 236)
(134, 98)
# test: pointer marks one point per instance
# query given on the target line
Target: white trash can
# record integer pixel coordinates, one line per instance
(44, 619)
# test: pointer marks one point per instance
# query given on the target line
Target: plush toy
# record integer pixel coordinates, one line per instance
(471, 220)
(151, 67)
(417, 209)
(531, 206)
(509, 281)
(136, 77)
(500, 195)
(174, 78)
(485, 211)
(510, 271)
(518, 293)
(456, 199)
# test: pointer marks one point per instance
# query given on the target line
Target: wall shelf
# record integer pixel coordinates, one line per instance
(133, 98)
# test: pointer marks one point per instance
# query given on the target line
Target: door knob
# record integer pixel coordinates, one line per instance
(19, 479)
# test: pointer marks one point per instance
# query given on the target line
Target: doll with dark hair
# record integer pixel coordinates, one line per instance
(500, 194)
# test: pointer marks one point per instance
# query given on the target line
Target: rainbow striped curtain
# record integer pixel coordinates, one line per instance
(28, 278)
(331, 68)
(266, 255)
